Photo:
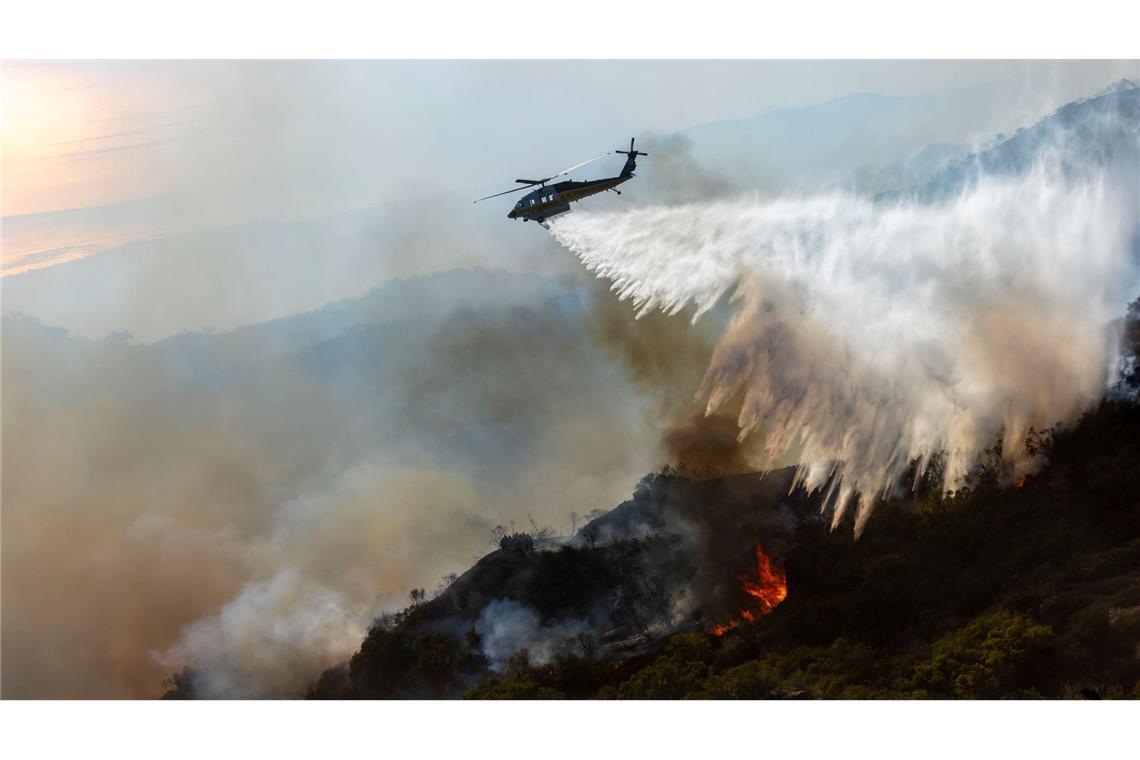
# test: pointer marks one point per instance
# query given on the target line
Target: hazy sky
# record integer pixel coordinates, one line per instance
(130, 149)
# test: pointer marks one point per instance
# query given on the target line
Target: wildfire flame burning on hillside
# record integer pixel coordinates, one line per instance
(768, 589)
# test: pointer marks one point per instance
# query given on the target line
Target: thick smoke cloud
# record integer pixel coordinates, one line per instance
(269, 640)
(246, 503)
(867, 336)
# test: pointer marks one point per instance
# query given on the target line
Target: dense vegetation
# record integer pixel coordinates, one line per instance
(990, 592)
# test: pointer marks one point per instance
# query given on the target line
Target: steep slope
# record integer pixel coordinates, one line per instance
(1030, 591)
(1096, 134)
(988, 593)
(667, 560)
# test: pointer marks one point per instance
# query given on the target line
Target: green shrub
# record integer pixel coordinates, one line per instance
(991, 657)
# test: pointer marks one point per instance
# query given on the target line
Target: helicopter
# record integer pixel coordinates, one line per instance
(550, 200)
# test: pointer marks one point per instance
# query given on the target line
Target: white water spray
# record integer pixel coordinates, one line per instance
(869, 336)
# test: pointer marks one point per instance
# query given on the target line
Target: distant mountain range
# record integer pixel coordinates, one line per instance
(841, 141)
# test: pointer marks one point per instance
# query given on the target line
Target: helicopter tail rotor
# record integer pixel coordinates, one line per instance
(631, 161)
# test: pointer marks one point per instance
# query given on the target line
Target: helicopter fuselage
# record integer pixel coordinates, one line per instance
(551, 200)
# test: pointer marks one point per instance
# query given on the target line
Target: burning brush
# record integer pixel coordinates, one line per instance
(767, 589)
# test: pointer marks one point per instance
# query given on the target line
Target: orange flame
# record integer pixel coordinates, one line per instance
(1020, 481)
(769, 588)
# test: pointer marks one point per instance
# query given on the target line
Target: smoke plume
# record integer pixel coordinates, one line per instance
(244, 504)
(506, 627)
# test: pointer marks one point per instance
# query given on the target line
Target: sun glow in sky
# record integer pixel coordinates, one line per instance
(77, 140)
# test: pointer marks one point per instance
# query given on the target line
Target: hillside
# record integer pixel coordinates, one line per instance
(734, 587)
(1095, 134)
(988, 593)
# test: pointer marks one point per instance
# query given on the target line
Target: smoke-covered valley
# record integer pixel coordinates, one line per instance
(258, 496)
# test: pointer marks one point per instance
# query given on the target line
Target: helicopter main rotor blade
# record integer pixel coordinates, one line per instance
(575, 166)
(496, 195)
(532, 182)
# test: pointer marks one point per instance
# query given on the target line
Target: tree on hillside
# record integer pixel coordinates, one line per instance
(518, 543)
(1131, 374)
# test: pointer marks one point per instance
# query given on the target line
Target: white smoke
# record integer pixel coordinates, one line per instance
(506, 627)
(321, 575)
(868, 336)
(269, 640)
